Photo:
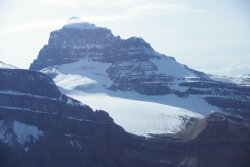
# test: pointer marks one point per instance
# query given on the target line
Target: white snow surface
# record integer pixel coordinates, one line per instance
(6, 66)
(63, 80)
(87, 81)
(22, 132)
(136, 116)
(170, 67)
(26, 133)
(83, 75)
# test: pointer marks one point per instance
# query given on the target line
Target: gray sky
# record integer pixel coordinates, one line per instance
(211, 35)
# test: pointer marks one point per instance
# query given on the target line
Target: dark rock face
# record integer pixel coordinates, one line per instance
(219, 139)
(39, 125)
(230, 97)
(68, 45)
(50, 129)
(218, 126)
(30, 82)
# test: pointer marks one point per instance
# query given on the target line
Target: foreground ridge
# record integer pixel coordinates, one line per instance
(47, 128)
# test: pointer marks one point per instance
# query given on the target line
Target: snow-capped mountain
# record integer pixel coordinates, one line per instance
(6, 66)
(143, 90)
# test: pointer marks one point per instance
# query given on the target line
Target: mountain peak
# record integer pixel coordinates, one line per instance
(78, 23)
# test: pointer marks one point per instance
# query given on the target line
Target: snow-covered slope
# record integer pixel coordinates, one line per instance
(87, 81)
(138, 117)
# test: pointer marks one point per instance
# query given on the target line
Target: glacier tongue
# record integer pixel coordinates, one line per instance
(87, 81)
(135, 116)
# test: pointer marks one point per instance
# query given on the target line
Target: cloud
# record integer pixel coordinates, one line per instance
(158, 9)
(153, 9)
(55, 23)
(80, 3)
(199, 11)
(31, 26)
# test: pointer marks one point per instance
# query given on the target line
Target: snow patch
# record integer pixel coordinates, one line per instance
(82, 75)
(26, 133)
(170, 67)
(72, 81)
(21, 133)
(77, 144)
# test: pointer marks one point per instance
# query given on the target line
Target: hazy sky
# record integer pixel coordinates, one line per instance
(211, 35)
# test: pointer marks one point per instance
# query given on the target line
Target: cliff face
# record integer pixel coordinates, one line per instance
(71, 44)
(39, 125)
(133, 63)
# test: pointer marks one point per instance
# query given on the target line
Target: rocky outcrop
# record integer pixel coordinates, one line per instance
(218, 140)
(28, 82)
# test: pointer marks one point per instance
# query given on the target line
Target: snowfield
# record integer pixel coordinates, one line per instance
(135, 116)
(87, 81)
